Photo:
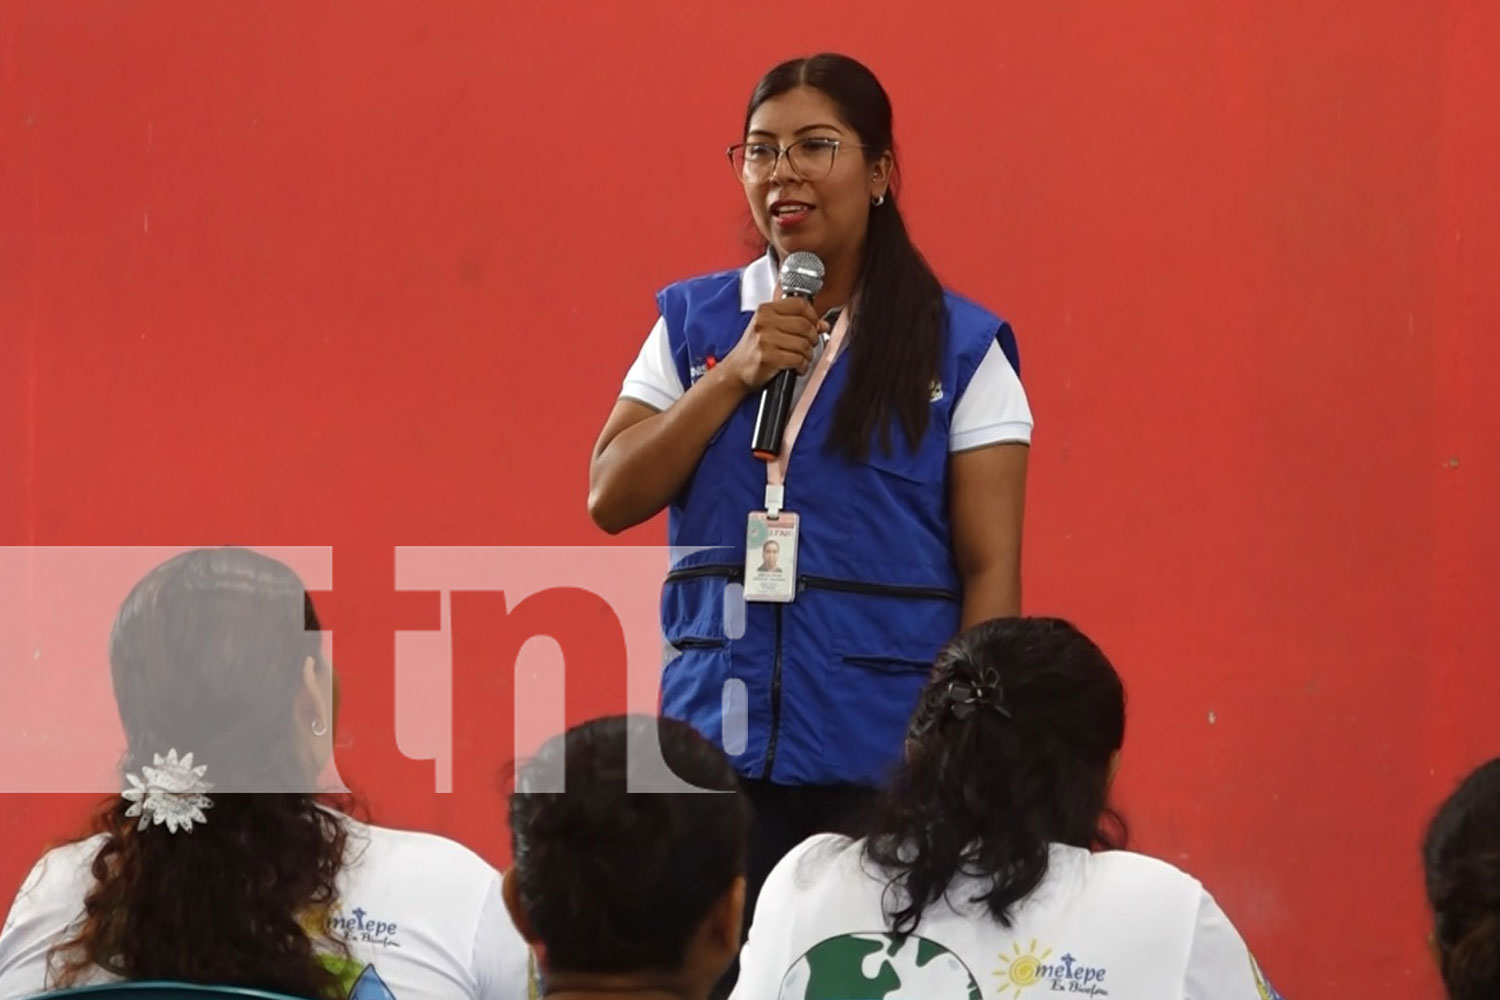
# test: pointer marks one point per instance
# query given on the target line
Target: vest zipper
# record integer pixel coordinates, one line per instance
(882, 589)
(775, 701)
(737, 572)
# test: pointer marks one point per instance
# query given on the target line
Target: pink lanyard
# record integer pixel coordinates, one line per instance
(776, 470)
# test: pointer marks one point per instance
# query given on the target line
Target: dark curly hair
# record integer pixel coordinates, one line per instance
(1009, 750)
(616, 880)
(1461, 854)
(208, 655)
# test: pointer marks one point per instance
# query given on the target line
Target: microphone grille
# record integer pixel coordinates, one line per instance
(801, 274)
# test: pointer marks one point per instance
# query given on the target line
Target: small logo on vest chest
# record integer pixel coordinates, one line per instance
(695, 372)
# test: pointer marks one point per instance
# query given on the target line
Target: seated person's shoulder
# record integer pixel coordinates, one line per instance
(1126, 874)
(48, 903)
(62, 874)
(1129, 864)
(820, 858)
(416, 856)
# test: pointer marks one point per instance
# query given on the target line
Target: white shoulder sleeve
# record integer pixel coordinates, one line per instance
(653, 378)
(993, 407)
(1220, 966)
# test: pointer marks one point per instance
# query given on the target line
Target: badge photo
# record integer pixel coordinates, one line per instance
(771, 557)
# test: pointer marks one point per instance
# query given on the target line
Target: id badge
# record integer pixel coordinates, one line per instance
(771, 557)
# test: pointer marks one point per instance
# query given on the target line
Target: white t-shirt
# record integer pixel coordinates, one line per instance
(1113, 924)
(993, 408)
(423, 917)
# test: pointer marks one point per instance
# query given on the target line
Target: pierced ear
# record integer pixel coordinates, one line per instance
(880, 177)
(322, 707)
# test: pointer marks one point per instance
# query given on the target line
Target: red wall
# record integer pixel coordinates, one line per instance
(359, 274)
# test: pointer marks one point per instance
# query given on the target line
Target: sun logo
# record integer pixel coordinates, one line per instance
(1021, 968)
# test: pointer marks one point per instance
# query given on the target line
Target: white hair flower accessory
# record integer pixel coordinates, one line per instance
(172, 793)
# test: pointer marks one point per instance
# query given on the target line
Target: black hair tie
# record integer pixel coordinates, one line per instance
(965, 697)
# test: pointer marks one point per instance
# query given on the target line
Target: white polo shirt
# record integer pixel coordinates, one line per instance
(422, 914)
(1113, 924)
(993, 408)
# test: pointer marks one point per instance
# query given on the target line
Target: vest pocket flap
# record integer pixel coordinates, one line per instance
(886, 657)
(686, 642)
(924, 465)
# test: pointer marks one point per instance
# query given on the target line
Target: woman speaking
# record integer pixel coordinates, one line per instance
(894, 503)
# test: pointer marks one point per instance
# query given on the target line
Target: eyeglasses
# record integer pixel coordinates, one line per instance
(811, 158)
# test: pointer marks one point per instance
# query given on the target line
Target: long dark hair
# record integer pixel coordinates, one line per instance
(1008, 751)
(208, 655)
(1461, 854)
(896, 340)
(615, 880)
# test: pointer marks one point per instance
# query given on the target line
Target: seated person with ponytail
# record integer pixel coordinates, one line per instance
(625, 887)
(978, 874)
(220, 865)
(1462, 859)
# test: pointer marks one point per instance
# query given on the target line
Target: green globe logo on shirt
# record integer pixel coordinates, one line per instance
(878, 966)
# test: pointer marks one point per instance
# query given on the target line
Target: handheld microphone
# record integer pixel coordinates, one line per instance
(801, 277)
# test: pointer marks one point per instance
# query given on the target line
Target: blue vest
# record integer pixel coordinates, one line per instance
(827, 682)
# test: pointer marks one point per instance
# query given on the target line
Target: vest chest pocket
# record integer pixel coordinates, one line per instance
(926, 466)
(871, 690)
(707, 486)
(888, 657)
